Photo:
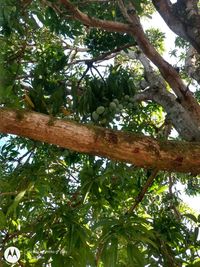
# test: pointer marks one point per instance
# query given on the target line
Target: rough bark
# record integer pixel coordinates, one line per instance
(158, 92)
(175, 112)
(139, 150)
(94, 22)
(182, 18)
(168, 72)
(192, 64)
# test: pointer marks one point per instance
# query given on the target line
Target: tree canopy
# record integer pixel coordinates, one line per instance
(97, 133)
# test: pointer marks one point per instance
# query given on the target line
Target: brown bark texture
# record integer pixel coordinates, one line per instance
(183, 18)
(142, 151)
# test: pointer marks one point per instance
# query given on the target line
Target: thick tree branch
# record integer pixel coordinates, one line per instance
(182, 18)
(168, 72)
(139, 150)
(151, 76)
(93, 22)
(192, 66)
(164, 7)
(176, 113)
(158, 92)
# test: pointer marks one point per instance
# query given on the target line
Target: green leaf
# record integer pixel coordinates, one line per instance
(191, 216)
(196, 234)
(162, 189)
(135, 257)
(2, 220)
(109, 255)
(18, 198)
(57, 260)
(195, 264)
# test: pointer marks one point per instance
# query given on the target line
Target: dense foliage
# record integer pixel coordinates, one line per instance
(64, 208)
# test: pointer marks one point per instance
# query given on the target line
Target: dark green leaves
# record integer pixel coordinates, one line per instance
(109, 253)
(99, 41)
(135, 256)
(63, 208)
(2, 220)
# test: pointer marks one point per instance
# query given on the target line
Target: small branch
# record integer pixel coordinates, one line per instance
(144, 190)
(8, 194)
(105, 56)
(96, 69)
(173, 207)
(82, 76)
(167, 253)
(114, 51)
(99, 252)
(26, 154)
(26, 3)
(93, 1)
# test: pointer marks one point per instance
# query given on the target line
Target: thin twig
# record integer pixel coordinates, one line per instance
(98, 74)
(26, 154)
(173, 207)
(142, 193)
(8, 193)
(104, 56)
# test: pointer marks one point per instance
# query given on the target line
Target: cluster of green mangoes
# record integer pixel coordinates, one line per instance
(129, 101)
(104, 114)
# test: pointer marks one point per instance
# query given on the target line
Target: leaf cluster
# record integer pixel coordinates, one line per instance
(64, 208)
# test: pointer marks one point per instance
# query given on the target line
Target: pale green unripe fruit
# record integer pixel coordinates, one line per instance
(130, 105)
(100, 110)
(95, 116)
(118, 110)
(116, 101)
(113, 106)
(103, 121)
(120, 106)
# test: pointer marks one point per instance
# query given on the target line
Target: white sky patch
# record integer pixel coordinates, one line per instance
(191, 201)
(159, 23)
